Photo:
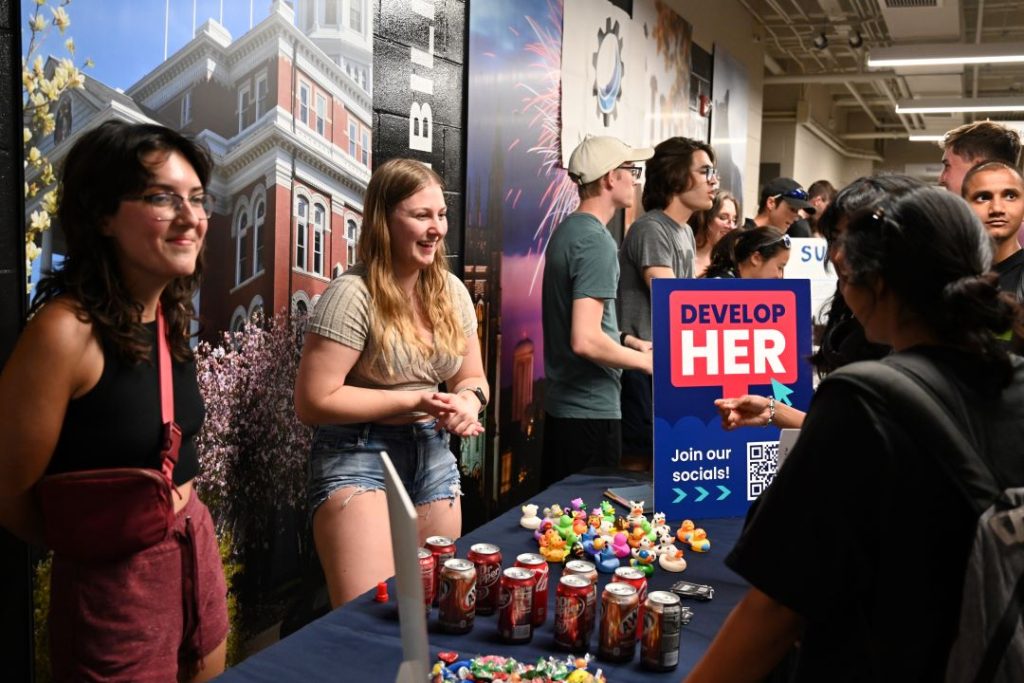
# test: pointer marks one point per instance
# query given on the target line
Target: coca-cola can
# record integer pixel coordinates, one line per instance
(539, 566)
(620, 604)
(659, 646)
(571, 627)
(515, 605)
(456, 602)
(588, 571)
(636, 578)
(427, 572)
(443, 549)
(487, 558)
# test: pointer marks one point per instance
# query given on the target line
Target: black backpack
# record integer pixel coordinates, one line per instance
(989, 646)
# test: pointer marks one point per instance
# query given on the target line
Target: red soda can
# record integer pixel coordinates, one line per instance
(571, 631)
(427, 572)
(487, 558)
(619, 606)
(443, 549)
(539, 566)
(659, 646)
(634, 577)
(588, 571)
(515, 605)
(456, 602)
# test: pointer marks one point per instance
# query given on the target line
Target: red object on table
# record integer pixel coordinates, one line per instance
(382, 592)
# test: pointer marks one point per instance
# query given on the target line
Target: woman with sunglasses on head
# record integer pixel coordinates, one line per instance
(760, 254)
(711, 225)
(82, 391)
(383, 336)
(915, 269)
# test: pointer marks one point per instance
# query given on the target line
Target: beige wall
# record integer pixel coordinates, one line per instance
(814, 160)
(731, 26)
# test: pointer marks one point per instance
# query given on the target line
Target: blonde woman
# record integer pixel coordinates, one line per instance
(383, 337)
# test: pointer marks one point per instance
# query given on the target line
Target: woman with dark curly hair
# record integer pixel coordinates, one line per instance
(859, 548)
(82, 391)
(712, 225)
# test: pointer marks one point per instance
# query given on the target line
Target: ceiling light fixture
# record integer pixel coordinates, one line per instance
(927, 138)
(856, 40)
(946, 53)
(821, 41)
(958, 105)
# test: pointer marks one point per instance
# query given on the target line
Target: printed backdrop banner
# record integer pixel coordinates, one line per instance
(614, 83)
(715, 339)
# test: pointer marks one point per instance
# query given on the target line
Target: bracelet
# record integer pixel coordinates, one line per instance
(771, 411)
(622, 338)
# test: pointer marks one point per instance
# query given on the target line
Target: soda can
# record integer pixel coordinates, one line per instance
(589, 572)
(515, 605)
(634, 577)
(487, 558)
(571, 596)
(659, 646)
(539, 566)
(456, 603)
(620, 604)
(443, 549)
(427, 572)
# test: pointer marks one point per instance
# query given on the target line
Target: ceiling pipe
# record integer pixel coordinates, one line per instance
(863, 104)
(877, 135)
(829, 139)
(841, 78)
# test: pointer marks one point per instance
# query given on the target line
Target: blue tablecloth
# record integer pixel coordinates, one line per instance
(360, 642)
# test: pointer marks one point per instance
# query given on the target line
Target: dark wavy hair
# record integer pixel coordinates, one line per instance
(933, 254)
(842, 339)
(739, 245)
(700, 220)
(105, 165)
(668, 171)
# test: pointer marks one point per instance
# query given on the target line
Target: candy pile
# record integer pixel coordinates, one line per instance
(573, 532)
(492, 668)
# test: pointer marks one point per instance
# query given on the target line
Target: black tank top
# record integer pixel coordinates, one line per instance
(117, 423)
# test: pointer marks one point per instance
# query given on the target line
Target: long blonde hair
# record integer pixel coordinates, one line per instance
(392, 320)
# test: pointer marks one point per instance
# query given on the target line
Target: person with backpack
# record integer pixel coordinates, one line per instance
(863, 550)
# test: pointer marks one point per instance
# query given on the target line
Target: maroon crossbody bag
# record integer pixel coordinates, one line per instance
(108, 514)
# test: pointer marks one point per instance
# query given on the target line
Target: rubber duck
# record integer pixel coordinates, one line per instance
(635, 536)
(699, 542)
(659, 524)
(577, 505)
(564, 528)
(529, 520)
(589, 535)
(607, 528)
(554, 513)
(608, 511)
(621, 524)
(636, 512)
(643, 560)
(595, 545)
(685, 529)
(672, 560)
(594, 520)
(620, 546)
(579, 526)
(648, 530)
(606, 561)
(577, 551)
(553, 547)
(544, 525)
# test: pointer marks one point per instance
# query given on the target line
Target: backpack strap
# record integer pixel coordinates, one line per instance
(914, 389)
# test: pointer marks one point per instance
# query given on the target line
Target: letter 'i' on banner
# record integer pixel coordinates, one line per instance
(721, 339)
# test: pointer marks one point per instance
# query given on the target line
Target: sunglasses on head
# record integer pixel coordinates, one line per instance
(798, 193)
(784, 240)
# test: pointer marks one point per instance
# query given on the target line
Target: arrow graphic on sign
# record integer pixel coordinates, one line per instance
(703, 494)
(725, 492)
(781, 392)
(680, 494)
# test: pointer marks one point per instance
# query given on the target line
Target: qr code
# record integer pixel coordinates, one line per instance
(762, 459)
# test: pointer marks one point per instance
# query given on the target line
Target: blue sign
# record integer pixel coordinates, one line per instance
(722, 339)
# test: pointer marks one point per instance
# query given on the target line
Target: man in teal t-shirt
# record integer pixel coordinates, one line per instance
(584, 351)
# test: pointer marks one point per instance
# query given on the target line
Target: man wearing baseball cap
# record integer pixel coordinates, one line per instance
(583, 356)
(780, 204)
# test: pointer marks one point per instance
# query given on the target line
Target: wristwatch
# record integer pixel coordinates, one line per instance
(480, 396)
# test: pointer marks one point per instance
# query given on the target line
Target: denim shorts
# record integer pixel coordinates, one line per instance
(349, 456)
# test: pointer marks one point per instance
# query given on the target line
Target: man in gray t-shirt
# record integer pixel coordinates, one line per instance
(582, 350)
(681, 179)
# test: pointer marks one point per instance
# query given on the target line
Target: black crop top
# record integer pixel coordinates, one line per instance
(117, 422)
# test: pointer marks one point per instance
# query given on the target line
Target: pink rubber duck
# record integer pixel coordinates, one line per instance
(620, 546)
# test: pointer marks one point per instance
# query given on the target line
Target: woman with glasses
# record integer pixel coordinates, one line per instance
(712, 225)
(81, 391)
(760, 254)
(851, 549)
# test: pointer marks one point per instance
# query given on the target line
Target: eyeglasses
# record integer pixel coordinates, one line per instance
(166, 206)
(635, 171)
(709, 172)
(798, 193)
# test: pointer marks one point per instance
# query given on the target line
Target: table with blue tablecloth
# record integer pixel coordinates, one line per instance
(361, 642)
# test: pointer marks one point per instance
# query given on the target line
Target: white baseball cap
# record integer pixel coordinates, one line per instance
(598, 154)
